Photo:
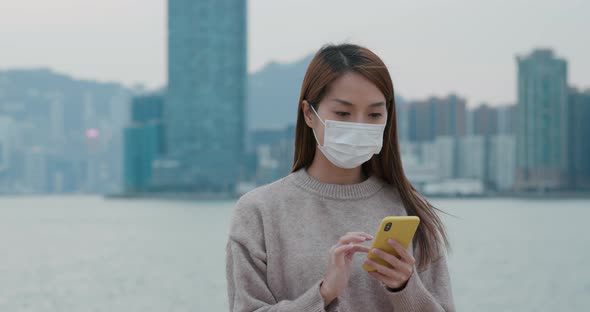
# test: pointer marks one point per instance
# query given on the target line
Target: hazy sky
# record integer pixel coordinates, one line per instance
(431, 47)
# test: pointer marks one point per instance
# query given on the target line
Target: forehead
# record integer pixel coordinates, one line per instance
(354, 88)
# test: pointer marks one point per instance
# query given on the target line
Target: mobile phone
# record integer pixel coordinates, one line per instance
(401, 229)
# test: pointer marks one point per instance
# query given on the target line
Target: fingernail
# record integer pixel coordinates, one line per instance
(377, 251)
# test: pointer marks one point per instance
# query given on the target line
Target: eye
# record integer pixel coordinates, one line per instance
(342, 114)
(375, 115)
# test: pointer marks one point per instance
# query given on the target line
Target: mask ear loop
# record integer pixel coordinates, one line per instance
(313, 130)
(316, 113)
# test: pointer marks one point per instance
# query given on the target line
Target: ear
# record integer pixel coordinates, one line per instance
(307, 113)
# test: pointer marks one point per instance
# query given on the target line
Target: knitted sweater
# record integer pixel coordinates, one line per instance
(280, 234)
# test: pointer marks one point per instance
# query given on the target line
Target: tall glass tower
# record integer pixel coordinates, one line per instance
(204, 110)
(542, 122)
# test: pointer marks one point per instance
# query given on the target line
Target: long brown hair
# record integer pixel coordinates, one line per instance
(329, 63)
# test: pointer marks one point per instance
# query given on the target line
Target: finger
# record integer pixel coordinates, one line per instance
(398, 265)
(369, 236)
(401, 251)
(389, 258)
(378, 276)
(357, 234)
(389, 272)
(351, 238)
(346, 240)
(344, 250)
(361, 248)
(350, 248)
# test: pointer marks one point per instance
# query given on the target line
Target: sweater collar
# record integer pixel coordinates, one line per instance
(360, 190)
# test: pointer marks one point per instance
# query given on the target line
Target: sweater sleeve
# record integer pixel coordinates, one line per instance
(246, 269)
(429, 290)
(248, 291)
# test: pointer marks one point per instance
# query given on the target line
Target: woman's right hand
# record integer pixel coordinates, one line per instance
(340, 263)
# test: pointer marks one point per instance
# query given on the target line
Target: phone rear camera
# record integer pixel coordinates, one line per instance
(388, 227)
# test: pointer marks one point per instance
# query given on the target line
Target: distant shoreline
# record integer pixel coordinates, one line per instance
(229, 196)
(174, 196)
(184, 196)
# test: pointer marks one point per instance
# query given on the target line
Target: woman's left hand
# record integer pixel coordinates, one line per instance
(398, 275)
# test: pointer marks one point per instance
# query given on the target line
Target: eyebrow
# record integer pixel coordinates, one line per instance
(343, 102)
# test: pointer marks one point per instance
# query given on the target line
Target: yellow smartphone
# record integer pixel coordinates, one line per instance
(401, 229)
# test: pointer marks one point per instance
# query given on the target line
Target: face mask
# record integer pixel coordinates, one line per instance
(350, 144)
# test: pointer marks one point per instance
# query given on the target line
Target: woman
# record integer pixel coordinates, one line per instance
(297, 244)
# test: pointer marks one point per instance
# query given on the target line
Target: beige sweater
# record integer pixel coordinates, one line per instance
(280, 235)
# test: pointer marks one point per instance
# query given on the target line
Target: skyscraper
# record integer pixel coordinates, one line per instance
(483, 123)
(143, 142)
(542, 127)
(442, 121)
(579, 138)
(472, 158)
(501, 161)
(436, 117)
(485, 120)
(450, 113)
(507, 119)
(204, 110)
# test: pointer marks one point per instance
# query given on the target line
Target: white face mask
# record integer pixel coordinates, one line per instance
(350, 144)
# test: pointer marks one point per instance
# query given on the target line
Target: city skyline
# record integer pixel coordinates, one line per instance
(450, 153)
(473, 57)
(197, 134)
